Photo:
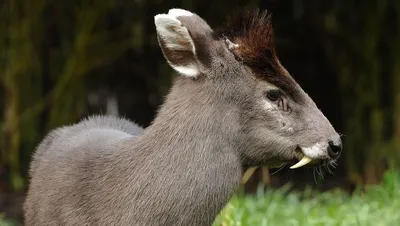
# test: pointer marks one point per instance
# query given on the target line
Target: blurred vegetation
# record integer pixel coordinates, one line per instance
(370, 206)
(366, 50)
(6, 222)
(63, 60)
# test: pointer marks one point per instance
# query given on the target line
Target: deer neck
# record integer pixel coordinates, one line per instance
(192, 139)
(195, 117)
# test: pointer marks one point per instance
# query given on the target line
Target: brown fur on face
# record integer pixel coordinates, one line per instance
(252, 31)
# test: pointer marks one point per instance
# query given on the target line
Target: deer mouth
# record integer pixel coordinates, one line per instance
(303, 158)
(303, 161)
(311, 155)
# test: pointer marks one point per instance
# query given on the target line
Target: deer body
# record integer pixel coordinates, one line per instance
(158, 178)
(187, 164)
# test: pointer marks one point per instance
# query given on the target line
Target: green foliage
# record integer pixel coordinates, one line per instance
(6, 222)
(372, 205)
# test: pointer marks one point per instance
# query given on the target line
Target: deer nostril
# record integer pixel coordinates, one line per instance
(334, 150)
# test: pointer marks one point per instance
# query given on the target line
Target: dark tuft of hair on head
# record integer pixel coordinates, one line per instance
(252, 31)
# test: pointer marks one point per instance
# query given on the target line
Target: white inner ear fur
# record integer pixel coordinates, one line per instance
(172, 31)
(173, 34)
(187, 70)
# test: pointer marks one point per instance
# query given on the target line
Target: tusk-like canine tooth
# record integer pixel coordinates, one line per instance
(304, 161)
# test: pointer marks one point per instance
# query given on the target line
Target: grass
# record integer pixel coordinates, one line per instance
(6, 222)
(377, 205)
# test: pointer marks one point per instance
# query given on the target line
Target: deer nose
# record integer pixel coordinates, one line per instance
(335, 148)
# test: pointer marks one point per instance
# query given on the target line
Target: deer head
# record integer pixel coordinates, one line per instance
(275, 120)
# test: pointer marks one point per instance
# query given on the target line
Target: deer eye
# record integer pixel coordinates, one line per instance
(274, 95)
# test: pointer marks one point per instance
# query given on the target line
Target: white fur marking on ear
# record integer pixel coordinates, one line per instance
(179, 12)
(159, 19)
(174, 34)
(188, 71)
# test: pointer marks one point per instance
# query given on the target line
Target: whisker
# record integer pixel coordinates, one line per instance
(323, 172)
(315, 178)
(280, 168)
(334, 165)
(320, 172)
(329, 169)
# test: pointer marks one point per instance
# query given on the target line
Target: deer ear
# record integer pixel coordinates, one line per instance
(176, 42)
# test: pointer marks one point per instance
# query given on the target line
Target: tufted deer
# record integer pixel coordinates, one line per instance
(234, 105)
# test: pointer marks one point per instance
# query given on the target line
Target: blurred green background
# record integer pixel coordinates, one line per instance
(63, 60)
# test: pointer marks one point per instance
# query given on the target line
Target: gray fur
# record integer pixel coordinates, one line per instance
(187, 164)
